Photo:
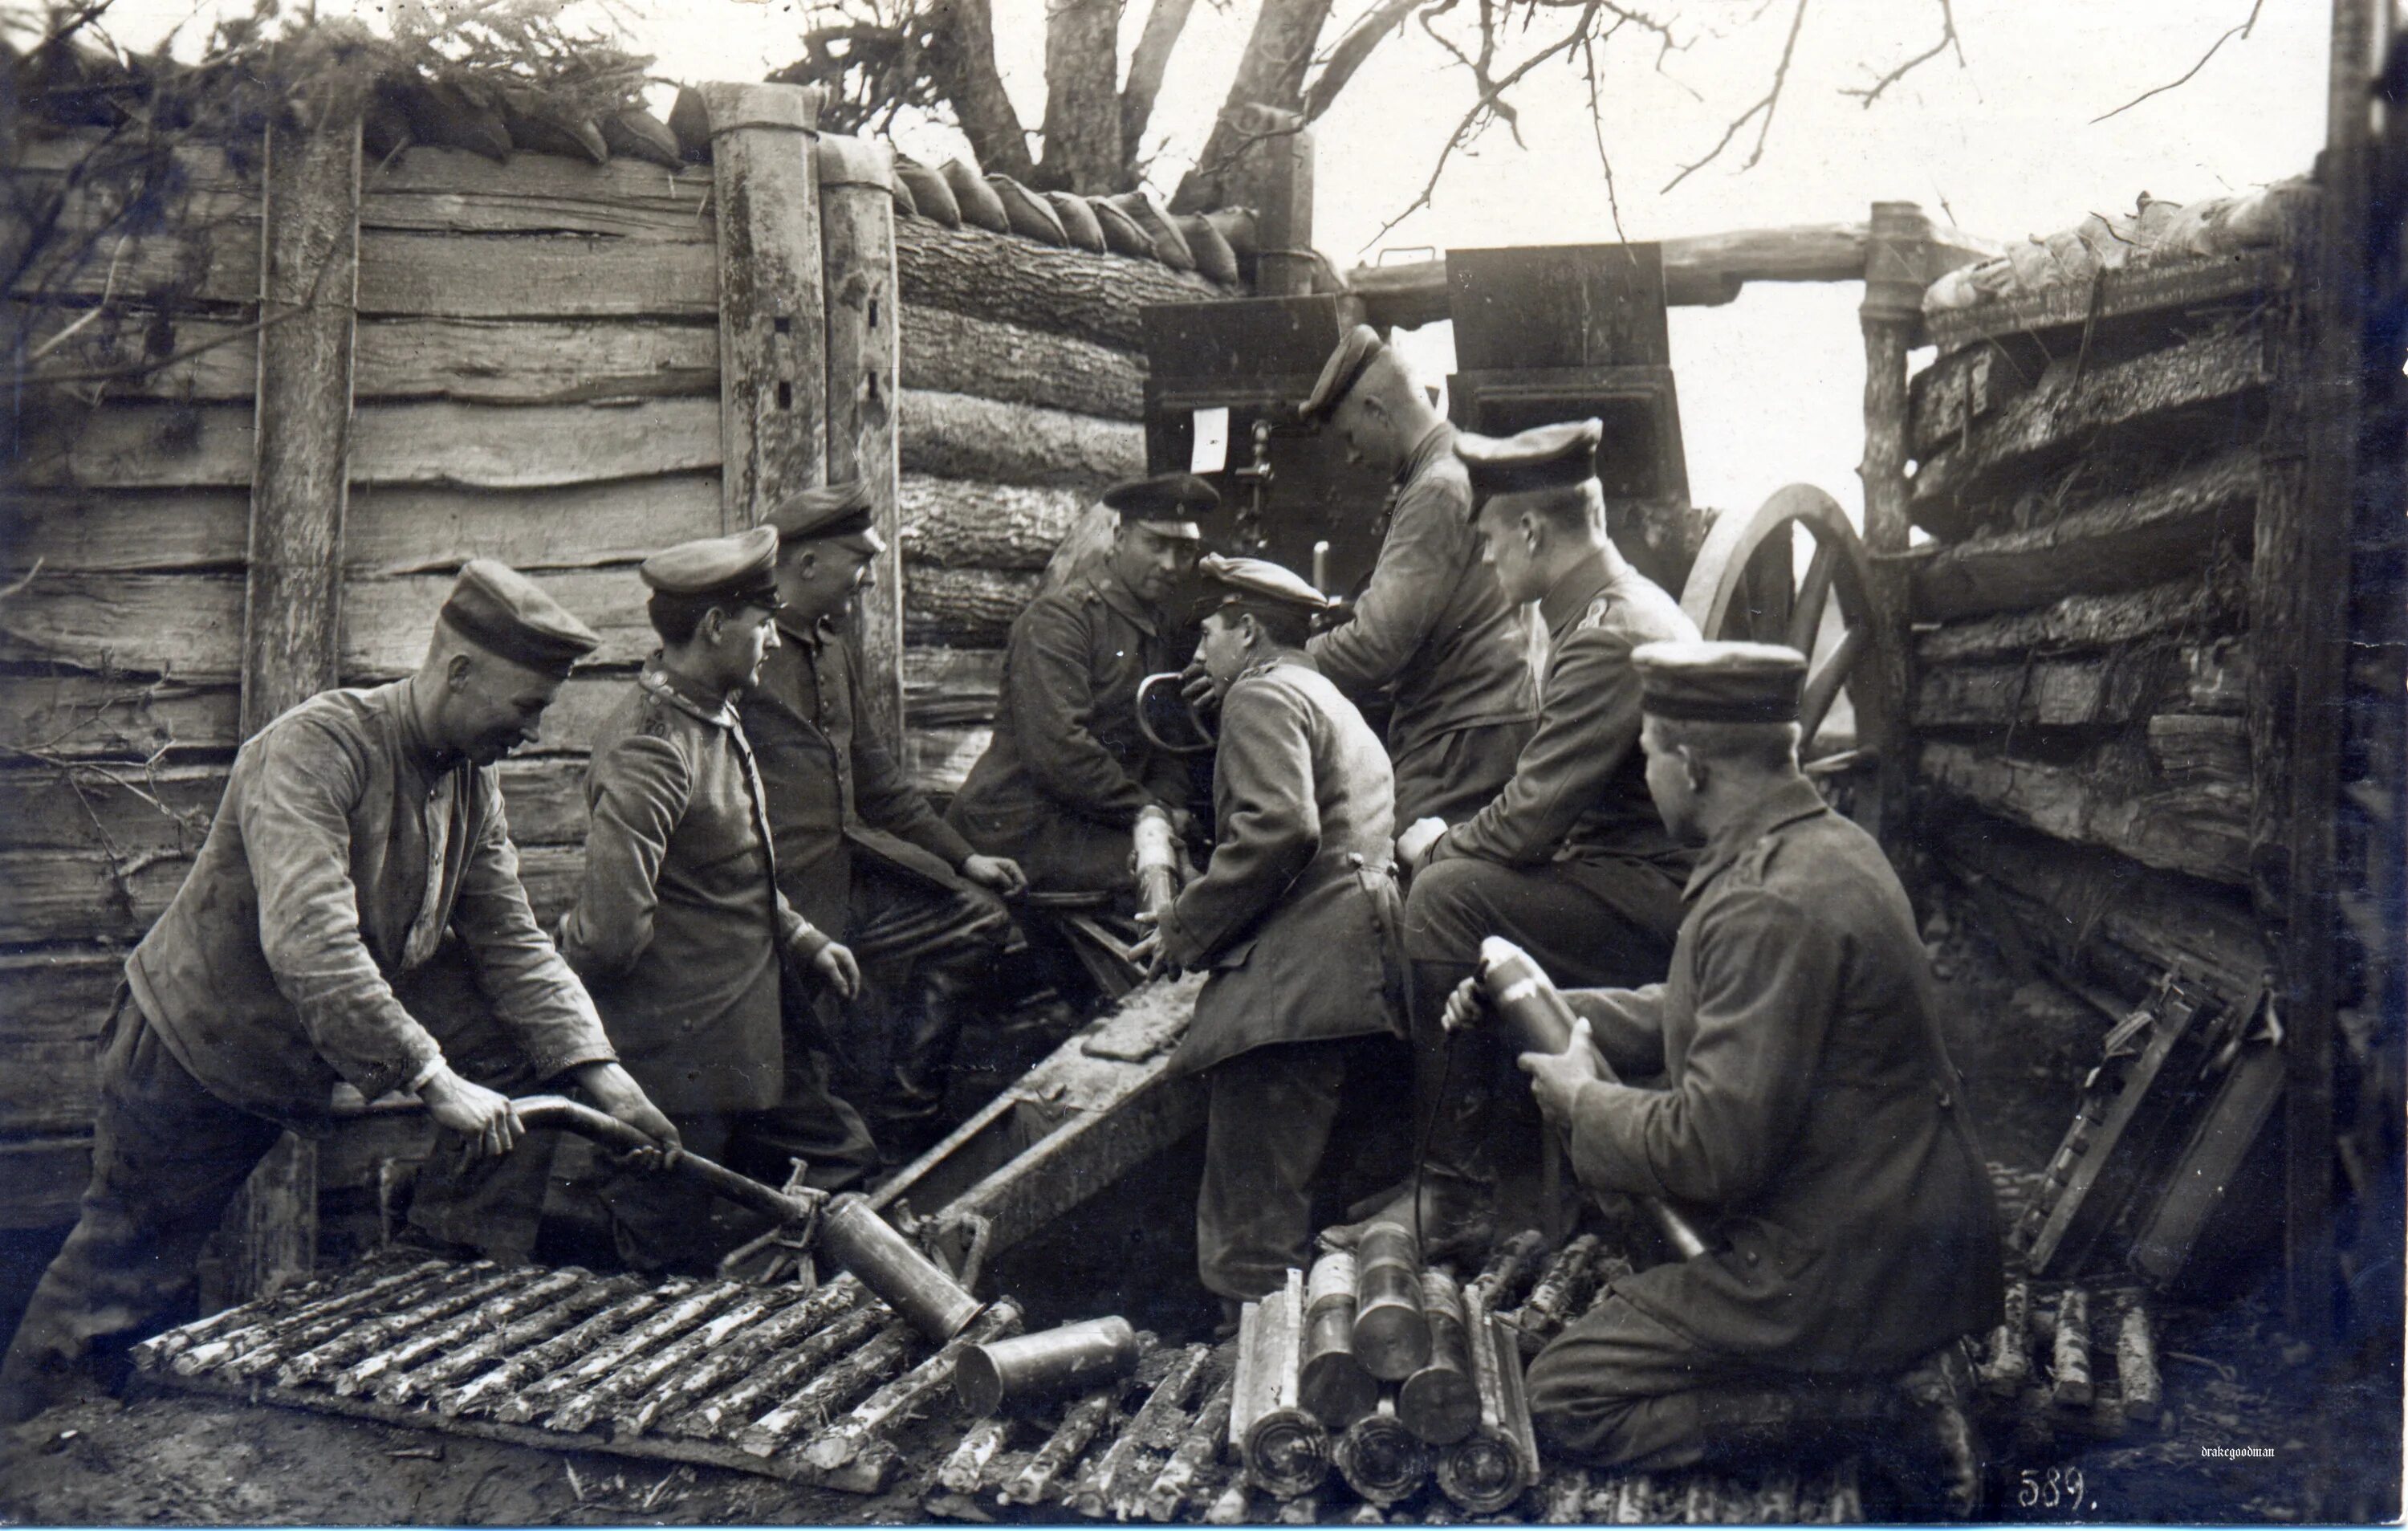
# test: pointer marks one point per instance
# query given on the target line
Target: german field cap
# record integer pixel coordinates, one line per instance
(1542, 457)
(1338, 374)
(1251, 582)
(1701, 681)
(740, 570)
(507, 615)
(835, 513)
(1168, 503)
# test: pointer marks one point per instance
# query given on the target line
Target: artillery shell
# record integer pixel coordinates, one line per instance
(839, 1444)
(1380, 1458)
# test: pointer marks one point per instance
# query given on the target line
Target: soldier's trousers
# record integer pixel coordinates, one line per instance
(1589, 924)
(924, 951)
(1269, 1125)
(166, 1159)
(1454, 774)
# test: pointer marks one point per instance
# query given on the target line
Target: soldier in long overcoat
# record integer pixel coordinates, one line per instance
(1295, 921)
(361, 847)
(1431, 628)
(1060, 786)
(680, 928)
(1807, 1118)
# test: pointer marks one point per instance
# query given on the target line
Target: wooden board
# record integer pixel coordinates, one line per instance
(2116, 687)
(453, 190)
(970, 523)
(69, 896)
(2212, 385)
(957, 436)
(964, 608)
(412, 529)
(1020, 282)
(950, 688)
(98, 808)
(2210, 280)
(489, 361)
(959, 353)
(2199, 827)
(2169, 529)
(133, 530)
(41, 1180)
(1956, 392)
(533, 277)
(937, 759)
(2195, 608)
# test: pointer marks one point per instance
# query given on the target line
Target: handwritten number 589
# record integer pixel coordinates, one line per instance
(2057, 1486)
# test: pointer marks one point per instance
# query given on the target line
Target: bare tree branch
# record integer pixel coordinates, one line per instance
(2241, 31)
(1149, 64)
(1948, 39)
(1596, 129)
(1767, 105)
(1350, 53)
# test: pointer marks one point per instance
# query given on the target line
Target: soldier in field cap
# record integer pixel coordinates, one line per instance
(679, 926)
(1060, 787)
(1568, 860)
(1431, 628)
(1295, 919)
(1802, 1110)
(861, 853)
(354, 916)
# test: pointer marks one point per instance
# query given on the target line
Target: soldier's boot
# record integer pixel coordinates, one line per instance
(1452, 1133)
(1944, 1464)
(915, 1097)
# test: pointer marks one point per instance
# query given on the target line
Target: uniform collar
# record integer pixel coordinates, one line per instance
(810, 636)
(1296, 656)
(422, 750)
(1783, 806)
(1435, 442)
(1571, 593)
(687, 698)
(1107, 583)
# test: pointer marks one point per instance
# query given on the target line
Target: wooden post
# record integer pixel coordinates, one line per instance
(1274, 177)
(864, 358)
(1896, 259)
(772, 324)
(293, 582)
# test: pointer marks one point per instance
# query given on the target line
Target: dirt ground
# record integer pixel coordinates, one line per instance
(2233, 1381)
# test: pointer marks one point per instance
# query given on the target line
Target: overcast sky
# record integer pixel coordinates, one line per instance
(2004, 145)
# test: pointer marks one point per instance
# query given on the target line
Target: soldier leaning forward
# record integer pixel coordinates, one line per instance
(679, 925)
(1808, 1118)
(360, 848)
(1431, 627)
(1295, 921)
(1060, 787)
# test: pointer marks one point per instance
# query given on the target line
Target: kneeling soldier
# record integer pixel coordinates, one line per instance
(1809, 1116)
(1296, 919)
(679, 925)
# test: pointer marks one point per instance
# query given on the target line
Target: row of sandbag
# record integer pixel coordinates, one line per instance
(2155, 233)
(1130, 224)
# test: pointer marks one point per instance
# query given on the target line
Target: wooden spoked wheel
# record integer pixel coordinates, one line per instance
(1746, 586)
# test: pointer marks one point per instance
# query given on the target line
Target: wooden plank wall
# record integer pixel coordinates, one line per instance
(2080, 658)
(1024, 391)
(537, 382)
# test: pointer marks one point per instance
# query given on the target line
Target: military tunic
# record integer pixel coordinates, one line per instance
(1295, 919)
(1809, 1120)
(1434, 626)
(1060, 787)
(346, 867)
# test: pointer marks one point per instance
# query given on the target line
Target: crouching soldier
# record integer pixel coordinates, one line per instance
(679, 925)
(1808, 1116)
(357, 832)
(1296, 920)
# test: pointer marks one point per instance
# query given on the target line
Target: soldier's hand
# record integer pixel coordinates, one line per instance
(835, 963)
(999, 874)
(1415, 843)
(1555, 1077)
(1148, 951)
(1467, 1007)
(484, 1117)
(1196, 684)
(615, 1091)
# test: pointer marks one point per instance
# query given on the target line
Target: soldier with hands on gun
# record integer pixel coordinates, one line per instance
(359, 855)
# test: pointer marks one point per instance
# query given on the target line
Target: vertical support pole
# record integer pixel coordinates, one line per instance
(864, 358)
(292, 583)
(1896, 258)
(772, 324)
(1274, 176)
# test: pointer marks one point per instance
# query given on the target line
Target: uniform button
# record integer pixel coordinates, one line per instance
(1754, 1258)
(1947, 1100)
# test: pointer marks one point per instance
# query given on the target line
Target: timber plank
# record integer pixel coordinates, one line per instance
(386, 622)
(412, 530)
(960, 437)
(95, 808)
(961, 353)
(938, 758)
(965, 607)
(2199, 827)
(2107, 689)
(2102, 915)
(48, 1086)
(59, 995)
(545, 799)
(129, 445)
(971, 523)
(2216, 381)
(69, 896)
(501, 361)
(42, 1180)
(550, 875)
(1956, 392)
(139, 338)
(950, 688)
(2193, 607)
(1020, 282)
(2171, 528)
(453, 191)
(533, 277)
(126, 529)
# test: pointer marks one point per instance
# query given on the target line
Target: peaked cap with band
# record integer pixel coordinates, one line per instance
(1253, 582)
(1340, 372)
(507, 615)
(1560, 456)
(1167, 503)
(740, 570)
(837, 513)
(1705, 682)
